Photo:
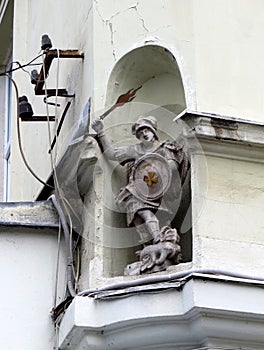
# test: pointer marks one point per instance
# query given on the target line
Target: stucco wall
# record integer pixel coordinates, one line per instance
(228, 231)
(216, 45)
(28, 275)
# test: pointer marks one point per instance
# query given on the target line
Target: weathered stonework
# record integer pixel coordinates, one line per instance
(35, 214)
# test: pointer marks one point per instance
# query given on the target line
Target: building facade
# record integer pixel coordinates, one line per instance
(194, 65)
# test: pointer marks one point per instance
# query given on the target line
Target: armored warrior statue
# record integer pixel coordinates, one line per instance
(157, 170)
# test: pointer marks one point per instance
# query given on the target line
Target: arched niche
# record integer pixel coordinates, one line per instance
(155, 69)
(162, 95)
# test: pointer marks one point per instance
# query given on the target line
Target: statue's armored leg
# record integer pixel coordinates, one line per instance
(142, 230)
(150, 221)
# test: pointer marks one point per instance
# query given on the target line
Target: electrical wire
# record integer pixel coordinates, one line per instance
(19, 136)
(55, 174)
(59, 210)
(57, 265)
(68, 232)
(56, 335)
(23, 69)
(47, 111)
(67, 242)
(21, 66)
(68, 236)
(78, 259)
(56, 102)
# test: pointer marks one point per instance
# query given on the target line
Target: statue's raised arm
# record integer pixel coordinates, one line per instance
(106, 146)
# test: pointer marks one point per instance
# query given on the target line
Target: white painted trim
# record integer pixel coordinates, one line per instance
(202, 310)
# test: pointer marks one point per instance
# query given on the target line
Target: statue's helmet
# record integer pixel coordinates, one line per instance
(145, 122)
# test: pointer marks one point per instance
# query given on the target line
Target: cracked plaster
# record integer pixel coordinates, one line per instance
(130, 24)
(110, 9)
(113, 17)
(115, 23)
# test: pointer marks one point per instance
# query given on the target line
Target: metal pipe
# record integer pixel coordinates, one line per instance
(167, 278)
(67, 242)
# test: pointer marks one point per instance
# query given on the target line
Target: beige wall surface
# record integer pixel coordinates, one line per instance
(228, 230)
(228, 57)
(234, 187)
(28, 271)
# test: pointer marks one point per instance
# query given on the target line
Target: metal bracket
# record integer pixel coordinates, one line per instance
(59, 126)
(36, 118)
(50, 55)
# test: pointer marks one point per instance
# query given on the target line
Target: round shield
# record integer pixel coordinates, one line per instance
(151, 175)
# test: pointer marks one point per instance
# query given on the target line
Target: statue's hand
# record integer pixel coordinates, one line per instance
(98, 125)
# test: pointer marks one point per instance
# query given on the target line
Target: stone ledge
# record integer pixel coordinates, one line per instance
(33, 214)
(219, 127)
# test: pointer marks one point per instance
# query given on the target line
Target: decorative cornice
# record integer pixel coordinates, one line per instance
(225, 136)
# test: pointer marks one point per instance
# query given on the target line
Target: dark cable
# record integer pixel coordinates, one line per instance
(67, 238)
(19, 137)
(20, 66)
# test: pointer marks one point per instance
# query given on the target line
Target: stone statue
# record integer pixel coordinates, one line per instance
(157, 170)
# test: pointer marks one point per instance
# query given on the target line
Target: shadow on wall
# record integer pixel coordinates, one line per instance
(153, 67)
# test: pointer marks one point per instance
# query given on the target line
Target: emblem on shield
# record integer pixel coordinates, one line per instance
(151, 175)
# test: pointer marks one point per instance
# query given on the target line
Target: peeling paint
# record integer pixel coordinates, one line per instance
(225, 129)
